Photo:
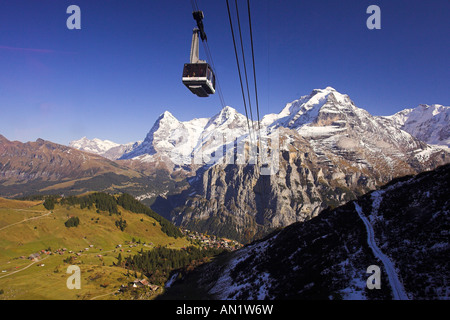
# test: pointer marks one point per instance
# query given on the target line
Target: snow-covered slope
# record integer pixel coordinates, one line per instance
(327, 257)
(306, 110)
(104, 148)
(95, 145)
(326, 116)
(169, 137)
(398, 291)
(333, 118)
(429, 123)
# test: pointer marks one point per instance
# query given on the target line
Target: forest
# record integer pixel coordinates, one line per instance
(158, 263)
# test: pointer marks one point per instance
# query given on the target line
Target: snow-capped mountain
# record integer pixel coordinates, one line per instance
(332, 123)
(306, 109)
(104, 148)
(429, 123)
(168, 134)
(180, 140)
(327, 118)
(330, 151)
(93, 146)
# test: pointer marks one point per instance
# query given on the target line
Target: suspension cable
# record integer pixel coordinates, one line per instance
(253, 59)
(239, 68)
(263, 189)
(217, 86)
(256, 87)
(243, 60)
(194, 5)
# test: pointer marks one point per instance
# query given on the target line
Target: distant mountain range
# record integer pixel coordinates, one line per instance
(428, 123)
(105, 148)
(44, 167)
(330, 152)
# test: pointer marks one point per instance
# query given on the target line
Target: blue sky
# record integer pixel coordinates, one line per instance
(115, 76)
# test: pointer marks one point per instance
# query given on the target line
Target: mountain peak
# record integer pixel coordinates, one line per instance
(327, 89)
(167, 115)
(165, 120)
(228, 109)
(228, 116)
(224, 114)
(227, 112)
(307, 108)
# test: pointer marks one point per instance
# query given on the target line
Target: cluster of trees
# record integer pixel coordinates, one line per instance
(50, 201)
(121, 224)
(128, 202)
(158, 263)
(102, 201)
(72, 222)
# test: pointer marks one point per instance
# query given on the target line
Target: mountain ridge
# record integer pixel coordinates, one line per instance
(330, 151)
(429, 123)
(313, 110)
(105, 148)
(44, 166)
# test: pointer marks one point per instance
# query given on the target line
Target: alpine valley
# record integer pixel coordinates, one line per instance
(330, 152)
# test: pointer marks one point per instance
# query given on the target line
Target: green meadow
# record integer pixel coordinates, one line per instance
(27, 227)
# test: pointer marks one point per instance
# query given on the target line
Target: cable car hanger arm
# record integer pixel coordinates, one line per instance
(198, 16)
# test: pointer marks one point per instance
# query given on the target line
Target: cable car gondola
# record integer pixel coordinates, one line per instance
(198, 76)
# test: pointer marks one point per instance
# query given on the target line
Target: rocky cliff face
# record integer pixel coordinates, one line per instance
(330, 152)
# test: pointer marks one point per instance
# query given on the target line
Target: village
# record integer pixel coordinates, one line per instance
(197, 239)
(210, 241)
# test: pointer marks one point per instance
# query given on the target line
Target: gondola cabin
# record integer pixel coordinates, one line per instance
(199, 78)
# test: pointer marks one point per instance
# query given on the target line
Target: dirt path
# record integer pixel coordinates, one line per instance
(25, 220)
(24, 268)
(103, 295)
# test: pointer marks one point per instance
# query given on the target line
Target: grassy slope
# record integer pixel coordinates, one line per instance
(19, 238)
(14, 204)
